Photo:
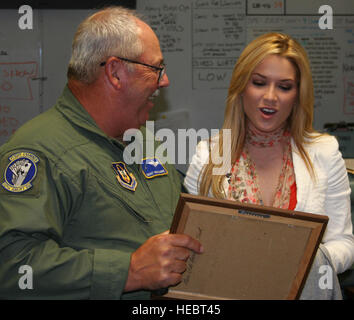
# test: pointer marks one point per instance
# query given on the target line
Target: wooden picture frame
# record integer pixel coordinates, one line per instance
(250, 252)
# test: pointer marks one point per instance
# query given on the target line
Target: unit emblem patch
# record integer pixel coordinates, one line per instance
(20, 172)
(152, 168)
(125, 178)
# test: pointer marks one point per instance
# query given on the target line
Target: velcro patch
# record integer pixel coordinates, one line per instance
(124, 177)
(152, 168)
(20, 172)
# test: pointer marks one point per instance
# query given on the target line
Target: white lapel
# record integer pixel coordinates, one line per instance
(303, 179)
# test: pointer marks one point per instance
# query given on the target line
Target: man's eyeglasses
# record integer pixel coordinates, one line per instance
(160, 69)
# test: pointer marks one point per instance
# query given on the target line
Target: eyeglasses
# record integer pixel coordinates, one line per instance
(160, 69)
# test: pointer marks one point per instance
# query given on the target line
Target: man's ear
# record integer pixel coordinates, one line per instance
(112, 70)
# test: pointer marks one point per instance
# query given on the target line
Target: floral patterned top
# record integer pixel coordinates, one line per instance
(243, 178)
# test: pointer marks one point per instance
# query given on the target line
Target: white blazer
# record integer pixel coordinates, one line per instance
(328, 195)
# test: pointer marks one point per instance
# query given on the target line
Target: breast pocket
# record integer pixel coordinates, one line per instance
(113, 195)
(105, 220)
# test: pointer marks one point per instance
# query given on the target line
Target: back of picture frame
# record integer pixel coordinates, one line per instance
(250, 252)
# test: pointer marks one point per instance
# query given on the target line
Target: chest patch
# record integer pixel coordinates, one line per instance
(124, 177)
(152, 168)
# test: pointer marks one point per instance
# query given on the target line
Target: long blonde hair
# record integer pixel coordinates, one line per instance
(299, 121)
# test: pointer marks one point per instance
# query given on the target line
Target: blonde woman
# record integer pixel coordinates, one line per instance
(277, 158)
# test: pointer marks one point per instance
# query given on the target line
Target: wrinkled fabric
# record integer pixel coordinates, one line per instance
(322, 282)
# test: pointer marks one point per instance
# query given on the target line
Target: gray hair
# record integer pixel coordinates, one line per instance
(110, 32)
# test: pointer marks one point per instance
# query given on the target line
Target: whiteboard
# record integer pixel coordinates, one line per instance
(33, 63)
(19, 64)
(202, 39)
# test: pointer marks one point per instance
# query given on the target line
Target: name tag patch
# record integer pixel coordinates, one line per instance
(20, 172)
(152, 168)
(125, 178)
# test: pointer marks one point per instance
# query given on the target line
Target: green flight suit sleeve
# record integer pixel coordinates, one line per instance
(32, 225)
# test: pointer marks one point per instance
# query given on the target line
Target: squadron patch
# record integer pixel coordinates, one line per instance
(152, 168)
(20, 172)
(126, 179)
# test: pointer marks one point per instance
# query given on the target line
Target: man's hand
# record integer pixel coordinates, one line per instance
(160, 261)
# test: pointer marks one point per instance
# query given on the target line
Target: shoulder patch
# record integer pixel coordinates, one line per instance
(20, 172)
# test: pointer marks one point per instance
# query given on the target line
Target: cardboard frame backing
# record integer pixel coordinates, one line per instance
(250, 252)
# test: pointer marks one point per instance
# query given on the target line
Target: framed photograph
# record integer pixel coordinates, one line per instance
(250, 252)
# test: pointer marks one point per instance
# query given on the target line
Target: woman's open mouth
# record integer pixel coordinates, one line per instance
(268, 111)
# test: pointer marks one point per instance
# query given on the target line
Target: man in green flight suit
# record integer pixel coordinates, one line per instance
(86, 223)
